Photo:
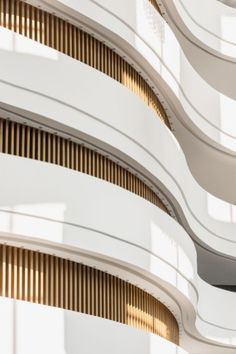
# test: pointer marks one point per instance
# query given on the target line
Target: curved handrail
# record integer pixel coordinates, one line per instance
(58, 34)
(147, 36)
(77, 287)
(203, 26)
(169, 168)
(25, 141)
(154, 247)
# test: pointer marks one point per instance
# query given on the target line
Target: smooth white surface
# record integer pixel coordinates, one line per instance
(119, 121)
(28, 328)
(199, 27)
(64, 212)
(144, 35)
(134, 139)
(211, 22)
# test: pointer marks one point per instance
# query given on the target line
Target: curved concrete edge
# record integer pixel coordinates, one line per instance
(118, 122)
(58, 213)
(142, 34)
(28, 328)
(185, 18)
(213, 33)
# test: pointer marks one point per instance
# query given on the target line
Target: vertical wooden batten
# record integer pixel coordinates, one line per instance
(45, 279)
(25, 141)
(56, 33)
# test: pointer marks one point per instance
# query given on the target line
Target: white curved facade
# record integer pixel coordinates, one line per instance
(157, 48)
(53, 210)
(218, 33)
(208, 44)
(71, 331)
(206, 41)
(147, 40)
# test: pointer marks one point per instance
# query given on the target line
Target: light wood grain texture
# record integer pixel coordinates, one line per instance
(46, 279)
(25, 141)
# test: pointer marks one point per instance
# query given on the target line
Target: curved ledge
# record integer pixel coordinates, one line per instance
(78, 44)
(118, 123)
(197, 43)
(71, 331)
(189, 142)
(74, 286)
(153, 252)
(25, 141)
(144, 35)
(215, 35)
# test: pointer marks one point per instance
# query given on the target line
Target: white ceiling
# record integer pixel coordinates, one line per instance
(231, 3)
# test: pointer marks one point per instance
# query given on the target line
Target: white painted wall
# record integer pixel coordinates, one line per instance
(211, 22)
(190, 20)
(198, 58)
(70, 214)
(25, 214)
(28, 328)
(145, 36)
(118, 121)
(62, 207)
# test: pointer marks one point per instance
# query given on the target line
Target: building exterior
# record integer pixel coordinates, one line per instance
(117, 171)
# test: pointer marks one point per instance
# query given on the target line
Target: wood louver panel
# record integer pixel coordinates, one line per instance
(25, 141)
(155, 5)
(56, 33)
(45, 279)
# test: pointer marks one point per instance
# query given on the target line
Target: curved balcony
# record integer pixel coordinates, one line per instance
(59, 215)
(31, 326)
(118, 123)
(202, 113)
(66, 38)
(148, 35)
(215, 33)
(52, 215)
(207, 41)
(46, 279)
(25, 141)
